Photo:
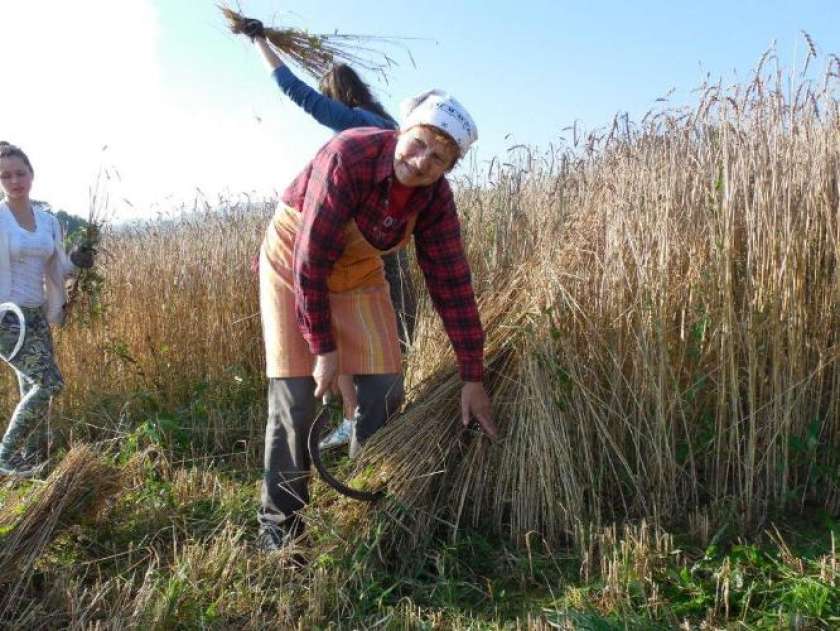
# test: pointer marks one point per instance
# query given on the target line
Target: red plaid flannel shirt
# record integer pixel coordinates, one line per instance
(350, 178)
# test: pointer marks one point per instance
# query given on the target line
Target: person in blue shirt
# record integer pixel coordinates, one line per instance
(344, 102)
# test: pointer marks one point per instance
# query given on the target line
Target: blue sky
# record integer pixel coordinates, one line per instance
(183, 105)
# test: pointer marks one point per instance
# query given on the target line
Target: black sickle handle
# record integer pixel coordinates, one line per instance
(315, 455)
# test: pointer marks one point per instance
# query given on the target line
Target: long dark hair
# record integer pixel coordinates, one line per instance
(8, 150)
(341, 83)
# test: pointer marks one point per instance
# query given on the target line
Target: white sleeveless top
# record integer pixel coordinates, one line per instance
(28, 256)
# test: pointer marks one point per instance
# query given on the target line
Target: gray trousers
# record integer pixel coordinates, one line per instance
(291, 411)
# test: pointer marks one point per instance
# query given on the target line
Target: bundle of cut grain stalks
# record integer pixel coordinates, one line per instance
(439, 473)
(662, 329)
(317, 53)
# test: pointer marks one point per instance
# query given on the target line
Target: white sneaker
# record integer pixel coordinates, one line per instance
(338, 437)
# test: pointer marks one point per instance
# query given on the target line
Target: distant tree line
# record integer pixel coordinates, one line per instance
(70, 222)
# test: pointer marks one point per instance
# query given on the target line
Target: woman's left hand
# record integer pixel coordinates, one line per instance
(82, 256)
(475, 402)
(325, 374)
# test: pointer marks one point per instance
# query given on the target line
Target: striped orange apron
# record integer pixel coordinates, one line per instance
(364, 325)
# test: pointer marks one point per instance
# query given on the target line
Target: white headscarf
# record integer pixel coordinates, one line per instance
(438, 109)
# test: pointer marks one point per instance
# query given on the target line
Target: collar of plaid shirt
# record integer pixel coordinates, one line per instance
(367, 169)
(385, 169)
(385, 164)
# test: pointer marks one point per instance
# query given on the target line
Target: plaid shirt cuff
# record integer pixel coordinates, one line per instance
(321, 345)
(472, 371)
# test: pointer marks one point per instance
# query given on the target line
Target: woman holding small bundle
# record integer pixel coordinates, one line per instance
(33, 267)
(324, 298)
(344, 102)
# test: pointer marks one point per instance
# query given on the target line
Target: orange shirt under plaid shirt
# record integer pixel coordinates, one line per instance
(351, 177)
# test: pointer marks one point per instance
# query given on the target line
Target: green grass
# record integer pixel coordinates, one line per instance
(475, 582)
(174, 550)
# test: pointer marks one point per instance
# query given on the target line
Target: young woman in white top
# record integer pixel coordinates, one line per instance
(33, 267)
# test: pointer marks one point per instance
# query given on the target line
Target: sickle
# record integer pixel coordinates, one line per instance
(5, 308)
(315, 455)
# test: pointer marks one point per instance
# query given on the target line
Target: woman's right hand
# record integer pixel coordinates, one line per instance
(325, 374)
(252, 28)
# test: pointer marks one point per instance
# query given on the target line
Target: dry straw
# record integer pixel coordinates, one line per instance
(75, 491)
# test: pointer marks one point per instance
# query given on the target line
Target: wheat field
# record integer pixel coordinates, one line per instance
(661, 305)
